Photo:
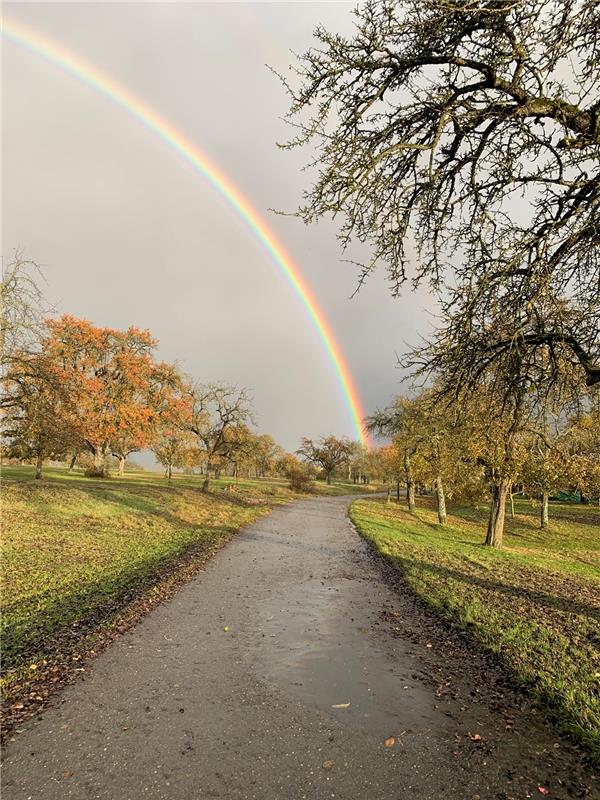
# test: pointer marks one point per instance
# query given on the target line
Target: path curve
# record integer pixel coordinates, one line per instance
(181, 708)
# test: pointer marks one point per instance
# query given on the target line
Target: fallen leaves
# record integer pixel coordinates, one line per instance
(341, 705)
(390, 741)
(328, 764)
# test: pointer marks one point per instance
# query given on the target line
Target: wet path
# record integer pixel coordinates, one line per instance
(180, 708)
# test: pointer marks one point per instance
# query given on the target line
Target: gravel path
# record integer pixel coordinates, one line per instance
(230, 691)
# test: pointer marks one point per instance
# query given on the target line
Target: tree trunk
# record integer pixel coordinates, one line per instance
(169, 472)
(410, 494)
(328, 477)
(99, 458)
(512, 504)
(72, 461)
(410, 483)
(206, 477)
(495, 529)
(389, 495)
(39, 461)
(441, 500)
(544, 510)
(121, 466)
(398, 491)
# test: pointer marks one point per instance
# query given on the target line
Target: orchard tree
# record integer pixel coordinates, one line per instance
(216, 412)
(22, 308)
(402, 424)
(174, 447)
(583, 445)
(113, 380)
(468, 132)
(38, 426)
(328, 452)
(265, 454)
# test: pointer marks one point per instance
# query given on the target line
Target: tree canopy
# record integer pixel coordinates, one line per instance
(460, 140)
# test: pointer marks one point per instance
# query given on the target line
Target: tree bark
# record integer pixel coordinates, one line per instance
(121, 466)
(72, 461)
(39, 461)
(495, 529)
(544, 510)
(99, 458)
(410, 482)
(512, 504)
(328, 477)
(441, 500)
(398, 491)
(206, 477)
(169, 472)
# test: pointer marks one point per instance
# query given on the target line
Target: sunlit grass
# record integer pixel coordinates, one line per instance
(535, 603)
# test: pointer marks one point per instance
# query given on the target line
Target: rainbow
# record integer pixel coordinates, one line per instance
(136, 108)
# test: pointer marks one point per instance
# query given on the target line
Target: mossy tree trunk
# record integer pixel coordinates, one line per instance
(495, 529)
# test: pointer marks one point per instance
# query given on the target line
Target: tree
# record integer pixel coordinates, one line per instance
(22, 307)
(216, 411)
(113, 381)
(547, 461)
(38, 426)
(472, 128)
(174, 447)
(328, 452)
(583, 447)
(402, 423)
(265, 454)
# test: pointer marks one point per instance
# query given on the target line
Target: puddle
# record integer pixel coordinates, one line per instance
(317, 646)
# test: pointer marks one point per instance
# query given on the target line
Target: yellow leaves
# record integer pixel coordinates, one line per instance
(341, 705)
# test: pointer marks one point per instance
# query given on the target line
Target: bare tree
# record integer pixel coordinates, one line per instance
(471, 127)
(217, 412)
(328, 452)
(22, 308)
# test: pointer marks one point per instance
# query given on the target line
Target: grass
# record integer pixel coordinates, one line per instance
(78, 553)
(535, 603)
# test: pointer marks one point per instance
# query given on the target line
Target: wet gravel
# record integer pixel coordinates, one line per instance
(291, 667)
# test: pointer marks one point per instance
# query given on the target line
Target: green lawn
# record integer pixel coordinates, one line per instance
(78, 552)
(535, 603)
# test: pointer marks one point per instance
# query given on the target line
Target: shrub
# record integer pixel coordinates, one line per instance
(300, 480)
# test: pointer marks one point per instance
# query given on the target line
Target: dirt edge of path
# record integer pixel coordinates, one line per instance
(68, 661)
(482, 677)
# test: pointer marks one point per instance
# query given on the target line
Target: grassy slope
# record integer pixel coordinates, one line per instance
(536, 603)
(78, 552)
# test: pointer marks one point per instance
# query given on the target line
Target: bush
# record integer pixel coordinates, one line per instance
(300, 480)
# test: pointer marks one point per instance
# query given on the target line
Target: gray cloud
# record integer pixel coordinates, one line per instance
(129, 233)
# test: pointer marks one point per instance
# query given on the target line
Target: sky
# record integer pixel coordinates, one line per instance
(129, 234)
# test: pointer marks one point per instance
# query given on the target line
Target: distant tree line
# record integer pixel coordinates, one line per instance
(76, 392)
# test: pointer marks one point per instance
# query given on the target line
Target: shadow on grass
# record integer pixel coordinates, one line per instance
(60, 625)
(534, 596)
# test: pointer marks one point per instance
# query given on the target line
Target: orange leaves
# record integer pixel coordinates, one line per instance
(114, 384)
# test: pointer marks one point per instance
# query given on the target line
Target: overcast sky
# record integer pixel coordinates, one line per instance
(128, 233)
